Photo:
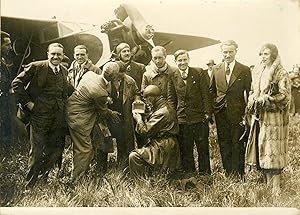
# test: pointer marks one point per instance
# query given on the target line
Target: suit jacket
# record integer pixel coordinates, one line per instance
(88, 100)
(208, 78)
(190, 100)
(29, 84)
(231, 95)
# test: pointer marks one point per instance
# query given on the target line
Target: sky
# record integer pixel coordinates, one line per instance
(251, 23)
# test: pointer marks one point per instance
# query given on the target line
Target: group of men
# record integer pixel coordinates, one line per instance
(94, 106)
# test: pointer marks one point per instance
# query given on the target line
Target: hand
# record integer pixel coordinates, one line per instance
(137, 116)
(271, 99)
(260, 100)
(30, 105)
(109, 100)
(264, 98)
(115, 116)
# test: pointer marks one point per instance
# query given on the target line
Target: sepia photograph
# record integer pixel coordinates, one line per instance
(178, 106)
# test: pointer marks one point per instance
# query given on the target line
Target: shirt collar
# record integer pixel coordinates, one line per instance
(82, 65)
(186, 71)
(231, 65)
(52, 66)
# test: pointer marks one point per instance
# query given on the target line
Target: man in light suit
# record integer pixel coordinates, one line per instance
(230, 85)
(42, 89)
(87, 103)
(189, 94)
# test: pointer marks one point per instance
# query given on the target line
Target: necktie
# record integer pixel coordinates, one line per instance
(184, 75)
(227, 70)
(55, 70)
(117, 86)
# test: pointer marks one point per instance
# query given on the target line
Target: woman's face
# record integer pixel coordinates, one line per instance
(266, 57)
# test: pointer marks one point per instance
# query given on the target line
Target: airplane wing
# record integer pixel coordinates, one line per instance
(41, 31)
(31, 37)
(173, 42)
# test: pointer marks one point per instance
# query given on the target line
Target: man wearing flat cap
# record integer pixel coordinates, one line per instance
(133, 69)
(161, 152)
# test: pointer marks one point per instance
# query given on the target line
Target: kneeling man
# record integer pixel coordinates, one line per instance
(161, 152)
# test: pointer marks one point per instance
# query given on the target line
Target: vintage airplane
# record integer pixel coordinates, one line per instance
(31, 37)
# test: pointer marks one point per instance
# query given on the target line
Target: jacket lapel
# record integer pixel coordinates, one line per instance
(189, 81)
(125, 89)
(235, 73)
(221, 76)
(64, 74)
(180, 85)
(42, 74)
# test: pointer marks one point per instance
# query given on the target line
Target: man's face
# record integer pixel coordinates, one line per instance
(125, 55)
(210, 66)
(55, 55)
(266, 57)
(229, 52)
(149, 100)
(6, 46)
(80, 56)
(158, 58)
(182, 62)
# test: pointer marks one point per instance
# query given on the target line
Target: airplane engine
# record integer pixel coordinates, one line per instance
(130, 27)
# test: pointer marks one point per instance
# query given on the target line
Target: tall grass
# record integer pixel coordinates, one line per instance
(115, 190)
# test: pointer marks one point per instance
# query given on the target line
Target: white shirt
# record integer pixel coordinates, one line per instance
(52, 67)
(186, 71)
(231, 66)
(79, 72)
(209, 72)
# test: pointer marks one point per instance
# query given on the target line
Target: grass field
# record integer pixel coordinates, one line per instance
(113, 190)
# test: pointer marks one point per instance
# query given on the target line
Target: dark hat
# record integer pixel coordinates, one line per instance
(211, 62)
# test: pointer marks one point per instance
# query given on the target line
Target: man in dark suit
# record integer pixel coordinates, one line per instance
(42, 89)
(231, 83)
(190, 97)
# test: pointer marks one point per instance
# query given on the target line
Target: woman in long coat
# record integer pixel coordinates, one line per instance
(269, 100)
